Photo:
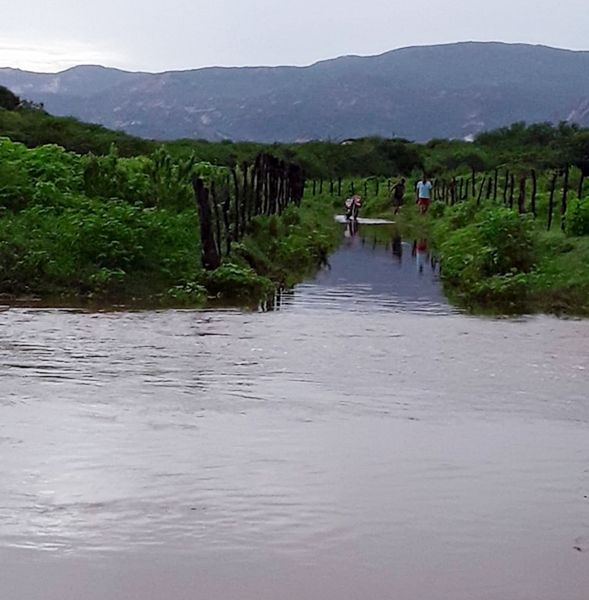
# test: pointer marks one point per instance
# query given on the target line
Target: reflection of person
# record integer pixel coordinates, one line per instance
(424, 193)
(398, 194)
(352, 229)
(398, 247)
(421, 254)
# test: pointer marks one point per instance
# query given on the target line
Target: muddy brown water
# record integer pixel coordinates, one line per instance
(363, 441)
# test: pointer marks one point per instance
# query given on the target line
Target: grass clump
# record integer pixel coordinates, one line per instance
(126, 230)
(486, 260)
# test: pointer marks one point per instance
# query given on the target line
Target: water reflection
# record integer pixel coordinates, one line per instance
(373, 269)
(360, 441)
(397, 247)
(352, 229)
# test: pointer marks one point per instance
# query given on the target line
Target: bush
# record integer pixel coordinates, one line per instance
(188, 294)
(488, 259)
(461, 214)
(577, 218)
(508, 240)
(94, 247)
(232, 281)
(437, 210)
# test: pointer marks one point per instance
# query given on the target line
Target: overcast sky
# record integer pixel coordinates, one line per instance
(50, 35)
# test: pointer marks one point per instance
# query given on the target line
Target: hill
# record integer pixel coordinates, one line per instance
(454, 90)
(27, 123)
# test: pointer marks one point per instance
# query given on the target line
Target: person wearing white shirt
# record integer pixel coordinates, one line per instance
(424, 193)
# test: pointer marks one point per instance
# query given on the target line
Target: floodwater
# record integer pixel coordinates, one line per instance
(364, 440)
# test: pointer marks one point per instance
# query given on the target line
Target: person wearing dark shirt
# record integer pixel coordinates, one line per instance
(398, 194)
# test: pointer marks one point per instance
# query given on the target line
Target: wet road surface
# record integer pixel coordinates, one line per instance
(364, 441)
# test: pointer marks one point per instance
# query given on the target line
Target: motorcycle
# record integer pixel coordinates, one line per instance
(353, 206)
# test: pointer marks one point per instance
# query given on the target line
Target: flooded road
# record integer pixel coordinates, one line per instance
(364, 441)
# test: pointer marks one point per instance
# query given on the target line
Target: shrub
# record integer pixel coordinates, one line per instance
(577, 218)
(461, 214)
(488, 259)
(508, 241)
(93, 247)
(188, 294)
(232, 281)
(437, 209)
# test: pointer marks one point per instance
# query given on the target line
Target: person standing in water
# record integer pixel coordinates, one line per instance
(398, 194)
(424, 193)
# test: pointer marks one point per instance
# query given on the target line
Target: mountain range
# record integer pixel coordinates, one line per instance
(419, 93)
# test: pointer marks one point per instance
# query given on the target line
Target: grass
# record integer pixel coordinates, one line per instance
(495, 261)
(95, 252)
(79, 229)
(560, 281)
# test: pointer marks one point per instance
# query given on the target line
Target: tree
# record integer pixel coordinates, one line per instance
(8, 100)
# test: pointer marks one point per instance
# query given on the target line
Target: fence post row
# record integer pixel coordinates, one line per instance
(563, 204)
(270, 185)
(225, 210)
(209, 249)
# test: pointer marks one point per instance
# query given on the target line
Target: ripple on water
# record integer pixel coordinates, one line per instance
(360, 444)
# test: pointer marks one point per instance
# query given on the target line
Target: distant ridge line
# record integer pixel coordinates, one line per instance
(453, 90)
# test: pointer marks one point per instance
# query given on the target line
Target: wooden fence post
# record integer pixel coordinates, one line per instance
(209, 253)
(474, 183)
(551, 200)
(521, 200)
(227, 217)
(244, 200)
(217, 219)
(489, 188)
(534, 192)
(479, 197)
(236, 223)
(581, 185)
(563, 204)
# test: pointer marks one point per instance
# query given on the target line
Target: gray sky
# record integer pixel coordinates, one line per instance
(49, 35)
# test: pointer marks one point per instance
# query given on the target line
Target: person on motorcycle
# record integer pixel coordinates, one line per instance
(353, 206)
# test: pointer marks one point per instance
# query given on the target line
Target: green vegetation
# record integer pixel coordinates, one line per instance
(559, 282)
(497, 260)
(31, 125)
(8, 100)
(486, 254)
(537, 146)
(126, 229)
(494, 258)
(102, 216)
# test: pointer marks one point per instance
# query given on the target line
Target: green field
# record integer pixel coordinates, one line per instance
(91, 215)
